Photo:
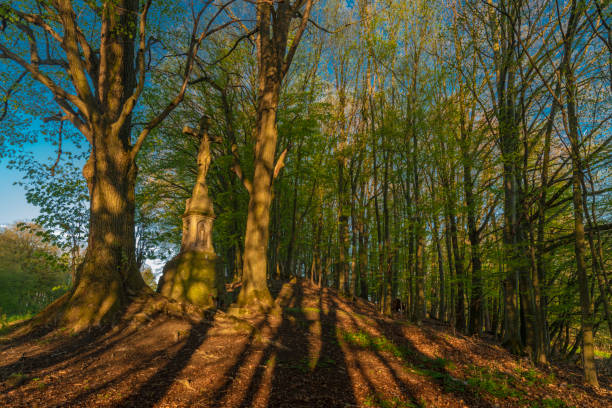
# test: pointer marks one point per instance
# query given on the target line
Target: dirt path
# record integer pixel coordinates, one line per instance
(314, 350)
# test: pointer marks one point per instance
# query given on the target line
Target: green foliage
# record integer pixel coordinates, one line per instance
(62, 198)
(32, 272)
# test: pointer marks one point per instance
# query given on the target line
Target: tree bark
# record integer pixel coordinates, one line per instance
(274, 59)
(254, 290)
(588, 350)
(441, 283)
(475, 321)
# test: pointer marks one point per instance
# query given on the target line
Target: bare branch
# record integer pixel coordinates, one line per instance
(238, 169)
(194, 47)
(57, 91)
(280, 163)
(298, 35)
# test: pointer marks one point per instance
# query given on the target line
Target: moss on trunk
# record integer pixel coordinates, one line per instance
(194, 277)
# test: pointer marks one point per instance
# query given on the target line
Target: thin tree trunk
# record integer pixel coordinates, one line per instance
(441, 283)
(449, 257)
(289, 267)
(588, 350)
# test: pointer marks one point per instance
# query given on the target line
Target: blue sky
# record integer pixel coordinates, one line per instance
(13, 205)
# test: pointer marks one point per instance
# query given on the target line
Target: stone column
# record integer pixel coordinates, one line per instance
(194, 275)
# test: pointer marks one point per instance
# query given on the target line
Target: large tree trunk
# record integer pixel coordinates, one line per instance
(512, 336)
(513, 260)
(108, 275)
(451, 270)
(274, 58)
(588, 350)
(387, 251)
(363, 255)
(254, 290)
(354, 286)
(343, 234)
(99, 101)
(459, 305)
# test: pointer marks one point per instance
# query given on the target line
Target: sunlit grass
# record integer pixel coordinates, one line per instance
(549, 403)
(301, 310)
(495, 383)
(378, 400)
(434, 368)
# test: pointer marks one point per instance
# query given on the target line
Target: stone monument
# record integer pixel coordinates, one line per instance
(194, 275)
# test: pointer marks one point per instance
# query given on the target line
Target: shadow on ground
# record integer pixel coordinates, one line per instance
(314, 349)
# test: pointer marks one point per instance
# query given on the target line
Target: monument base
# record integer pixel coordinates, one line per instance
(194, 277)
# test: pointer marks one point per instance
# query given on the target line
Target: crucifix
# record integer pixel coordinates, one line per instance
(199, 214)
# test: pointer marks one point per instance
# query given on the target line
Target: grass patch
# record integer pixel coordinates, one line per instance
(379, 400)
(533, 377)
(379, 343)
(40, 384)
(308, 364)
(434, 368)
(449, 383)
(495, 383)
(301, 310)
(549, 403)
(17, 379)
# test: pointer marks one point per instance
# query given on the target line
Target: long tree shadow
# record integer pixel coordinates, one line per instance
(221, 392)
(408, 394)
(244, 380)
(156, 387)
(311, 370)
(301, 364)
(89, 357)
(66, 348)
(436, 369)
(259, 382)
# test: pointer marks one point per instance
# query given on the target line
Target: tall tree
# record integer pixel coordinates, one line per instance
(96, 88)
(275, 51)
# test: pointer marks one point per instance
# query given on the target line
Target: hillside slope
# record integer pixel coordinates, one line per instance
(315, 349)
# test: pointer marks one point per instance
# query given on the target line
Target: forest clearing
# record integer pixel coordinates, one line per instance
(326, 203)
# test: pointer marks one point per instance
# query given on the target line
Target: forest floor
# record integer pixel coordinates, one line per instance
(315, 349)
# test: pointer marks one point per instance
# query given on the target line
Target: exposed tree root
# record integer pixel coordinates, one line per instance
(135, 309)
